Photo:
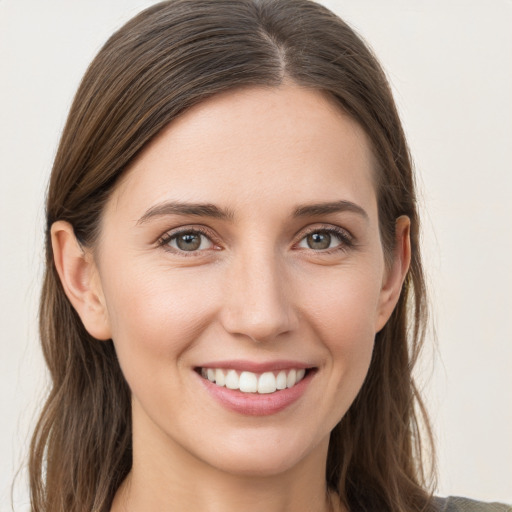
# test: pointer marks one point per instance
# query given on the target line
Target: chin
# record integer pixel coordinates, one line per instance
(257, 465)
(265, 454)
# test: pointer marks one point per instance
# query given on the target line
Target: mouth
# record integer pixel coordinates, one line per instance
(256, 388)
(263, 383)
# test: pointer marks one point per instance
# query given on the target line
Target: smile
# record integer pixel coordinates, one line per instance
(256, 388)
(249, 382)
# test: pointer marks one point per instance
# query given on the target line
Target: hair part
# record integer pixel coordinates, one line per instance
(165, 60)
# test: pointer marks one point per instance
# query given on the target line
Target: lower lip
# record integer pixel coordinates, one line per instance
(255, 404)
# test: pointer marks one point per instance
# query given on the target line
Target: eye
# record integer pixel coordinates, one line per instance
(186, 241)
(325, 239)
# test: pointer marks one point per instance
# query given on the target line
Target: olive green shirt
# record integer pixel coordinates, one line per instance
(458, 504)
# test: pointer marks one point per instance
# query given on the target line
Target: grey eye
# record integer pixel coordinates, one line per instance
(190, 241)
(320, 240)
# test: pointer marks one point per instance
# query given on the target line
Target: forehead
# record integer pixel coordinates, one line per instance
(254, 146)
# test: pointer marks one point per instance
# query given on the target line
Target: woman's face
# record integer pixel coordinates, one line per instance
(242, 249)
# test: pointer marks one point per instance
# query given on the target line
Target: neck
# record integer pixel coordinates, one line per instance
(222, 494)
(169, 478)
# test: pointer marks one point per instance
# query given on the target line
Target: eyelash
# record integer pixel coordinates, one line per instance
(165, 239)
(345, 238)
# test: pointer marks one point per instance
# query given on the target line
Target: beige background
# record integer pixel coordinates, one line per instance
(449, 64)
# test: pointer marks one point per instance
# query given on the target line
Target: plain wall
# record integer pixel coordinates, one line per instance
(449, 64)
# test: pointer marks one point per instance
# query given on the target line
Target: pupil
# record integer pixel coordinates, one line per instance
(188, 242)
(319, 240)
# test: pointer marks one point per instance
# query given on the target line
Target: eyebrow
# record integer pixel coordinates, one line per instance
(312, 210)
(180, 208)
(213, 211)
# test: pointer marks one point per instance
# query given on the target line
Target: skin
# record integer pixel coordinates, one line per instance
(255, 290)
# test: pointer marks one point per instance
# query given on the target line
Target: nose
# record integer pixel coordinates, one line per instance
(257, 301)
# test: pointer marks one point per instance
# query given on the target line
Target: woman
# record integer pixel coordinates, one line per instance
(234, 294)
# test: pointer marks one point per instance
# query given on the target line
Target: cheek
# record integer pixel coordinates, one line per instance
(156, 313)
(344, 303)
(341, 308)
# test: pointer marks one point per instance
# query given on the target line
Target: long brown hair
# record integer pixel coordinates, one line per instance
(168, 58)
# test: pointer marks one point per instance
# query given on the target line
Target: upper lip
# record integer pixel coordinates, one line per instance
(256, 367)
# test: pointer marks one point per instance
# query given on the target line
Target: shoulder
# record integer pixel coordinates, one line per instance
(458, 504)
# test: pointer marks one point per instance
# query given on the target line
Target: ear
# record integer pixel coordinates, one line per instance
(80, 280)
(395, 274)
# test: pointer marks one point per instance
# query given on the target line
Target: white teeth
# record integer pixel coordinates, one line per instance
(281, 380)
(291, 379)
(219, 378)
(249, 382)
(232, 380)
(267, 383)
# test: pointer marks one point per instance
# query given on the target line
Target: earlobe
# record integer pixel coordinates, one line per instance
(395, 275)
(80, 280)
